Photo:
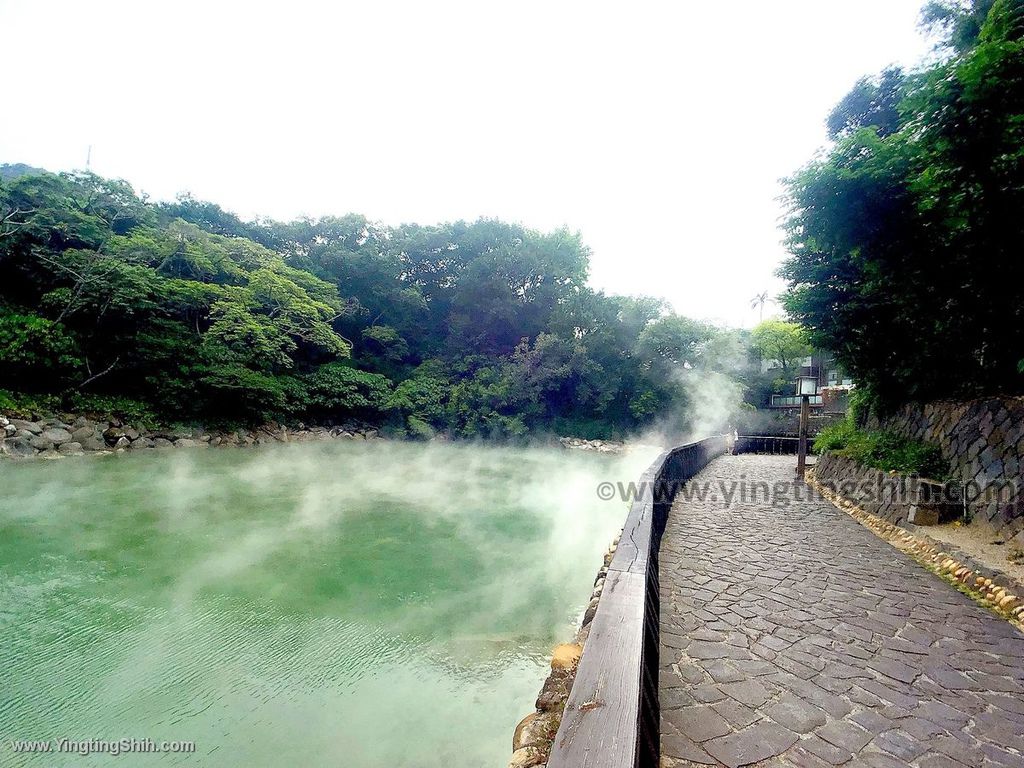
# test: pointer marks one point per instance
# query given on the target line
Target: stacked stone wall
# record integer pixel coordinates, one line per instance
(983, 441)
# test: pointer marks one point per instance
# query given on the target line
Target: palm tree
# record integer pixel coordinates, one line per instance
(759, 301)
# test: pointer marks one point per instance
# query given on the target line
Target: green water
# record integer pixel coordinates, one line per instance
(335, 604)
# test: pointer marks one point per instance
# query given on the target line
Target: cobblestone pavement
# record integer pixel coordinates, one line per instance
(792, 635)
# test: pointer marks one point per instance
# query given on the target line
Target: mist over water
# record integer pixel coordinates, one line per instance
(714, 404)
(377, 604)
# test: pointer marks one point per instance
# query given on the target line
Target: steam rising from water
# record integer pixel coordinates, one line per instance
(358, 604)
(714, 405)
(714, 400)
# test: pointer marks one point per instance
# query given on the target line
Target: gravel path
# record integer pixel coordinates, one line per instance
(792, 635)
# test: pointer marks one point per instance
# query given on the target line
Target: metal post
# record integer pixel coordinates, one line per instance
(801, 458)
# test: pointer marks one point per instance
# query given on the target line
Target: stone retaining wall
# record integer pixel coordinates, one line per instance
(983, 440)
(883, 494)
(893, 497)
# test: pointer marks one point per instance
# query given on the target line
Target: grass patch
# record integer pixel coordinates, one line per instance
(883, 450)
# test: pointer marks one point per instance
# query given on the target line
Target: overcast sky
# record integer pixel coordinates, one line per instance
(657, 129)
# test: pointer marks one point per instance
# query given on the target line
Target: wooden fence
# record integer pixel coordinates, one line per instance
(611, 719)
(768, 444)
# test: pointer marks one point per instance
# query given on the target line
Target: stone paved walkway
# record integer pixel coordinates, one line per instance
(792, 635)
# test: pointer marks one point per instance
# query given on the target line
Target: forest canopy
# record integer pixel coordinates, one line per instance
(184, 311)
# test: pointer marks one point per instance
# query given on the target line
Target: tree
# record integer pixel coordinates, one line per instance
(905, 246)
(471, 328)
(872, 103)
(781, 342)
(758, 303)
(673, 343)
(957, 23)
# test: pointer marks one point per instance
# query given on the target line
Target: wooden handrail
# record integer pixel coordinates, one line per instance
(776, 444)
(611, 719)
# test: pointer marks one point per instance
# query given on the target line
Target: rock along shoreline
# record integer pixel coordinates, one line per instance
(58, 437)
(535, 733)
(64, 435)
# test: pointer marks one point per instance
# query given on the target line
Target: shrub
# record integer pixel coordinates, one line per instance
(7, 401)
(418, 429)
(835, 436)
(234, 394)
(336, 390)
(586, 428)
(890, 452)
(132, 411)
(36, 354)
(423, 397)
(20, 405)
(883, 450)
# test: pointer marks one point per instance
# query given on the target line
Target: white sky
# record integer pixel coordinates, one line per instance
(657, 129)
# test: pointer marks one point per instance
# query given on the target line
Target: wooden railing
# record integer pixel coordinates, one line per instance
(767, 444)
(611, 719)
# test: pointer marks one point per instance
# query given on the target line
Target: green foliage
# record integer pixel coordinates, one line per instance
(905, 241)
(588, 429)
(336, 389)
(34, 348)
(422, 399)
(883, 450)
(892, 453)
(199, 325)
(230, 393)
(835, 437)
(860, 404)
(182, 312)
(130, 411)
(8, 402)
(385, 341)
(672, 343)
(871, 104)
(957, 23)
(24, 406)
(645, 405)
(418, 429)
(782, 342)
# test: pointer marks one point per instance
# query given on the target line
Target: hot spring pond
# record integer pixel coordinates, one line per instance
(337, 604)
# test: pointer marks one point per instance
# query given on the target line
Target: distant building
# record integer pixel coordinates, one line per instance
(833, 384)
